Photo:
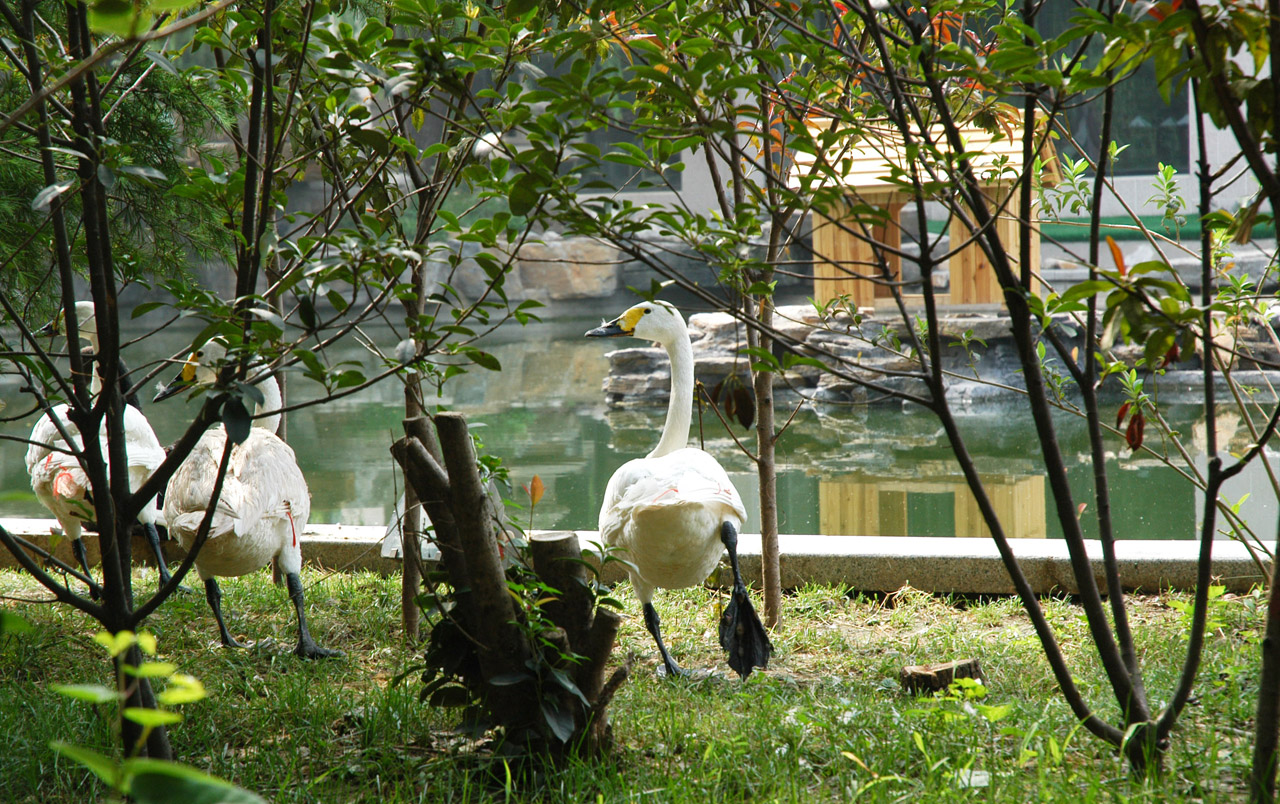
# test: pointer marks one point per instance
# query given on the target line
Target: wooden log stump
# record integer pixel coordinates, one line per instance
(918, 678)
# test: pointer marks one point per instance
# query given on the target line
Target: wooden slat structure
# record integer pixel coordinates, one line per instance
(880, 506)
(844, 255)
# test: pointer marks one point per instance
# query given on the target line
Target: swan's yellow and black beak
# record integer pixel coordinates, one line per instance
(52, 328)
(185, 379)
(624, 324)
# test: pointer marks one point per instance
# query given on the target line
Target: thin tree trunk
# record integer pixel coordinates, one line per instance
(1262, 778)
(410, 530)
(767, 469)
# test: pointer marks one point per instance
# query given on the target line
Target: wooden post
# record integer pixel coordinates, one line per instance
(557, 560)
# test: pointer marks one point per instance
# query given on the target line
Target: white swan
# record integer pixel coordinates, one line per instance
(263, 507)
(675, 510)
(57, 478)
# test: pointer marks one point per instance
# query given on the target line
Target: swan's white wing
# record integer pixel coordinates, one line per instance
(269, 484)
(189, 490)
(262, 510)
(46, 438)
(140, 442)
(666, 514)
(56, 477)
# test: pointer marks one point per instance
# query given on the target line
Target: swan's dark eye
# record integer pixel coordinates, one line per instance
(647, 311)
(199, 354)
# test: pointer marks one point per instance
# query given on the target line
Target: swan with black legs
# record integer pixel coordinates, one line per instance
(262, 509)
(58, 479)
(675, 511)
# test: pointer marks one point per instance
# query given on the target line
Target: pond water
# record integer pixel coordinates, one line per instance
(883, 470)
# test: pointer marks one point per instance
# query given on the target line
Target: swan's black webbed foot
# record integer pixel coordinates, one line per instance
(741, 632)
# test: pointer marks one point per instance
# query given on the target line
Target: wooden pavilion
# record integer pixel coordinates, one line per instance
(875, 172)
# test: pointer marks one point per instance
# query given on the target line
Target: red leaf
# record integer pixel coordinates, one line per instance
(1161, 11)
(1121, 413)
(746, 406)
(715, 392)
(1133, 433)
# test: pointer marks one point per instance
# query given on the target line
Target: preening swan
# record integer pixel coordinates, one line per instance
(674, 510)
(261, 511)
(59, 481)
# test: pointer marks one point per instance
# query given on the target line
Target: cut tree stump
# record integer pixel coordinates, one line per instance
(546, 679)
(917, 678)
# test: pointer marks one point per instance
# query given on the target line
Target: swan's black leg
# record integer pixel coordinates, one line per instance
(741, 632)
(651, 622)
(153, 539)
(307, 647)
(82, 556)
(214, 595)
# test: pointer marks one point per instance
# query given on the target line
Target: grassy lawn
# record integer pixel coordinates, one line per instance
(827, 722)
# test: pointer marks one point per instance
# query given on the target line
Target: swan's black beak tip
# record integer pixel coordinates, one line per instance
(609, 330)
(172, 389)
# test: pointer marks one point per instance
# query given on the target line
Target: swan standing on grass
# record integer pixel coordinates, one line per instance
(261, 511)
(58, 479)
(675, 510)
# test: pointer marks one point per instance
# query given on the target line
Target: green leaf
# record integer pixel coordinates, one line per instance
(151, 717)
(117, 643)
(518, 8)
(510, 679)
(146, 307)
(152, 670)
(560, 721)
(117, 17)
(45, 197)
(485, 360)
(764, 359)
(152, 781)
(12, 623)
(235, 417)
(91, 693)
(995, 714)
(450, 697)
(148, 174)
(524, 195)
(101, 765)
(182, 689)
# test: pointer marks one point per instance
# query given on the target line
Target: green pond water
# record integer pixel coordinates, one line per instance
(883, 470)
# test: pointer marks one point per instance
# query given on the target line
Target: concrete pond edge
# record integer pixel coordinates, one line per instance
(940, 565)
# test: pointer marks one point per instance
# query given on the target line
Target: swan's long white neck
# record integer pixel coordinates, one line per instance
(271, 401)
(675, 433)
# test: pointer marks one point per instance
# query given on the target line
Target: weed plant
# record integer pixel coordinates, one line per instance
(826, 722)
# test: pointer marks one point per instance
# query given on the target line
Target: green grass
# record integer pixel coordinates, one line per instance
(827, 722)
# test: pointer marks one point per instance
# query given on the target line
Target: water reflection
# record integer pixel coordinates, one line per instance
(879, 471)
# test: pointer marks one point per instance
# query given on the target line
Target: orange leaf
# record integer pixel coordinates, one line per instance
(1116, 254)
(535, 489)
